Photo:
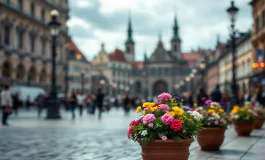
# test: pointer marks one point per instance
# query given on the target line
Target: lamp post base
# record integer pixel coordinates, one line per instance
(53, 109)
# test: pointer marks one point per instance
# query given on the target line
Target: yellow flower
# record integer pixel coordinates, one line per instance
(235, 110)
(212, 107)
(138, 109)
(144, 112)
(178, 111)
(211, 111)
(221, 110)
(171, 113)
(195, 105)
(153, 109)
(148, 104)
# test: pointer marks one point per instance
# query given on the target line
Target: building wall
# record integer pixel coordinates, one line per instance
(21, 63)
(212, 77)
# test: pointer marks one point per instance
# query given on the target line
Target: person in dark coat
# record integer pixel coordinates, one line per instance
(190, 100)
(73, 103)
(16, 103)
(126, 104)
(201, 97)
(99, 101)
(216, 94)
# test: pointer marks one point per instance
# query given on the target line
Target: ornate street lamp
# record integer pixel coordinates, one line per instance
(232, 11)
(53, 103)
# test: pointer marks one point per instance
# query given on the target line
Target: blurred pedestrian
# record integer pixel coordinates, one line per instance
(40, 100)
(99, 102)
(6, 104)
(28, 102)
(216, 94)
(16, 103)
(81, 102)
(201, 97)
(190, 100)
(73, 102)
(126, 104)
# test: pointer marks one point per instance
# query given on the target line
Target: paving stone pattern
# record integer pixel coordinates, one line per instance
(87, 138)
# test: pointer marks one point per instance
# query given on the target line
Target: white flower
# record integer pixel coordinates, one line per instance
(189, 112)
(144, 133)
(215, 104)
(235, 116)
(216, 116)
(196, 115)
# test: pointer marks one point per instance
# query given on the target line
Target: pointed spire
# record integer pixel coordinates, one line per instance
(160, 38)
(145, 56)
(102, 46)
(218, 40)
(176, 28)
(129, 31)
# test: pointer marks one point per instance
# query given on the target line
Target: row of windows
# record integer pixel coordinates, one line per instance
(258, 25)
(78, 79)
(120, 74)
(33, 41)
(32, 12)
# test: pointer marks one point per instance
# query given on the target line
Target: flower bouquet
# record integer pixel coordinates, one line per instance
(244, 119)
(165, 129)
(260, 115)
(215, 122)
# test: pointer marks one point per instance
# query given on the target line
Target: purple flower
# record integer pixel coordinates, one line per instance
(185, 108)
(208, 101)
(203, 99)
(154, 112)
(223, 121)
(209, 123)
(216, 122)
(177, 98)
(140, 118)
(164, 138)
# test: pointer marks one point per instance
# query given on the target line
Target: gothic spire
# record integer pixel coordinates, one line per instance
(129, 31)
(218, 40)
(176, 29)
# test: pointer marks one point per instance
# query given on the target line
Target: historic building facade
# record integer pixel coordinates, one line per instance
(79, 71)
(25, 42)
(258, 40)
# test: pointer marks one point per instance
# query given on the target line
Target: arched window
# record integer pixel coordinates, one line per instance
(20, 72)
(7, 69)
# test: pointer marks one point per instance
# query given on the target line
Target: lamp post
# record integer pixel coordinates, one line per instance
(232, 11)
(202, 67)
(53, 103)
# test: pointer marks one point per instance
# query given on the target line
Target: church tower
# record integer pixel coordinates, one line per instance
(129, 44)
(176, 41)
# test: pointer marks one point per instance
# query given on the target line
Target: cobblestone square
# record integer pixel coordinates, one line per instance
(88, 138)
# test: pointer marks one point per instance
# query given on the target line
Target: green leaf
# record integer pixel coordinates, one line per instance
(145, 141)
(176, 138)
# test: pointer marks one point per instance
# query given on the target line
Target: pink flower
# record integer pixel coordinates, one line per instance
(209, 123)
(134, 123)
(146, 109)
(176, 125)
(223, 121)
(164, 107)
(167, 118)
(139, 119)
(129, 132)
(164, 97)
(164, 138)
(149, 118)
(157, 103)
(151, 125)
(216, 122)
(208, 101)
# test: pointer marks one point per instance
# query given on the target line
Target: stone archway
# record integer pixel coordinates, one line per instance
(7, 69)
(159, 87)
(20, 72)
(43, 75)
(32, 75)
(138, 87)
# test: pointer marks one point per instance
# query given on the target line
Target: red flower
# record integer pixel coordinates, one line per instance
(134, 123)
(157, 103)
(176, 125)
(129, 132)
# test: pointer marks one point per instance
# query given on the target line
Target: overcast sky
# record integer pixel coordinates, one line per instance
(93, 22)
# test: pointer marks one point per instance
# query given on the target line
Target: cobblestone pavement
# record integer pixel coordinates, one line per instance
(87, 138)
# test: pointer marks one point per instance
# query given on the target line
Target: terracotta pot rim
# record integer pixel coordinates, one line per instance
(170, 140)
(215, 128)
(245, 121)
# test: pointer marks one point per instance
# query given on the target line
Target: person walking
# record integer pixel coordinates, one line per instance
(73, 102)
(216, 94)
(99, 101)
(126, 104)
(28, 102)
(201, 97)
(190, 99)
(16, 102)
(6, 104)
(80, 102)
(40, 104)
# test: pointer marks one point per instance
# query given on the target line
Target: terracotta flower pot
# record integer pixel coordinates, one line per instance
(210, 139)
(259, 123)
(244, 128)
(168, 150)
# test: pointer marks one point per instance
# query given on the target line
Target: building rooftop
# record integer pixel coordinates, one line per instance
(117, 55)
